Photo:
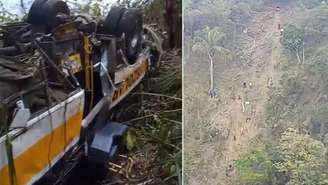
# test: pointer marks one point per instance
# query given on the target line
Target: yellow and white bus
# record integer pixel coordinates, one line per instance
(92, 72)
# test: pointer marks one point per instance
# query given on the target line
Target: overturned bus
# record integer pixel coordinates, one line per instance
(60, 74)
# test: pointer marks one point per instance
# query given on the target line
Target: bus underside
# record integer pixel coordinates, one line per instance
(57, 88)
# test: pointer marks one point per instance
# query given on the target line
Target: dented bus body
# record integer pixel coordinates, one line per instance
(79, 75)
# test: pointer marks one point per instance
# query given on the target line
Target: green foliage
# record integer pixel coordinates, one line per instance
(301, 158)
(186, 4)
(199, 14)
(317, 64)
(295, 104)
(217, 8)
(254, 168)
(8, 18)
(299, 99)
(297, 159)
(154, 114)
(311, 4)
(131, 140)
(316, 20)
(93, 8)
(293, 38)
(230, 17)
(213, 36)
(96, 10)
(209, 39)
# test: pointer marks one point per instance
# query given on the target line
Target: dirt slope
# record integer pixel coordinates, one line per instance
(238, 121)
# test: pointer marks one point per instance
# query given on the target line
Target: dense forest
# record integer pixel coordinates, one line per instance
(256, 92)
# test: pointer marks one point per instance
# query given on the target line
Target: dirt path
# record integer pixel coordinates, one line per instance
(244, 113)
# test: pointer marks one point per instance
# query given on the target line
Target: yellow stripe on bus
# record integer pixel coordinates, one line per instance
(36, 158)
(129, 81)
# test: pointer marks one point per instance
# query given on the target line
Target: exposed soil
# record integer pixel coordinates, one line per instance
(238, 119)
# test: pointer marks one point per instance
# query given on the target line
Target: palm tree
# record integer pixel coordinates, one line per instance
(209, 39)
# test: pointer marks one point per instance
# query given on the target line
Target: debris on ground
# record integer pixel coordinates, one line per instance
(155, 154)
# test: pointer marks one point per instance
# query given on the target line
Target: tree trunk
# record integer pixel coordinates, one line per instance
(211, 73)
(192, 40)
(212, 92)
(173, 19)
(298, 58)
(303, 54)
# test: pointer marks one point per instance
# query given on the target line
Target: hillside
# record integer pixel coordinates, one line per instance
(267, 99)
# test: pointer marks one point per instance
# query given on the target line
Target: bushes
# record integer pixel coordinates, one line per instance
(296, 159)
(293, 40)
(310, 4)
(301, 159)
(254, 168)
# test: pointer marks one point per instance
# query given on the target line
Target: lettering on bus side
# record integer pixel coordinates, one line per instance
(129, 81)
